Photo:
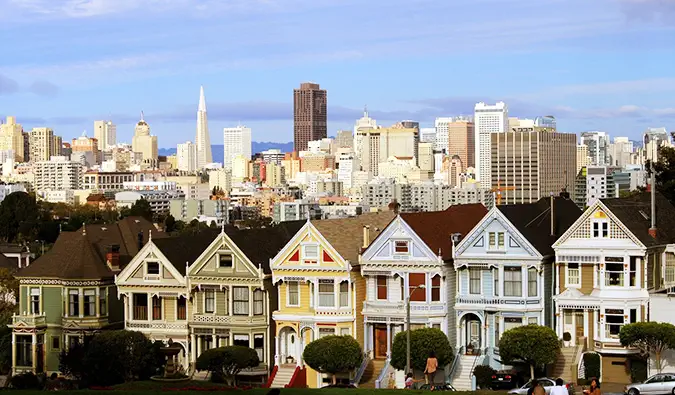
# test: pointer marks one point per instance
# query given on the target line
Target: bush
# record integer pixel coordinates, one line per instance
(227, 362)
(333, 355)
(25, 381)
(567, 336)
(592, 365)
(422, 343)
(483, 375)
(638, 370)
(534, 345)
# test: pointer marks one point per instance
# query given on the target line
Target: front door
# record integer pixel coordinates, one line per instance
(579, 327)
(380, 341)
(473, 336)
(568, 324)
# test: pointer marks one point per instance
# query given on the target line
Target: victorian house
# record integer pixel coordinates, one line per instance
(407, 262)
(69, 293)
(504, 277)
(320, 289)
(607, 264)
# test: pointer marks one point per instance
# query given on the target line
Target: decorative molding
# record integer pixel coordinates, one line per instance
(69, 283)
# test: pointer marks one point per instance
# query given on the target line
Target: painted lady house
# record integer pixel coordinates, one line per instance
(409, 260)
(607, 263)
(320, 290)
(504, 277)
(69, 293)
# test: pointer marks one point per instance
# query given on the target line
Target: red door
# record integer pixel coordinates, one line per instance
(381, 341)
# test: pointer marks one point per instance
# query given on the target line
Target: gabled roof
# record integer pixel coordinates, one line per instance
(533, 220)
(184, 249)
(81, 255)
(10, 264)
(346, 234)
(437, 227)
(634, 212)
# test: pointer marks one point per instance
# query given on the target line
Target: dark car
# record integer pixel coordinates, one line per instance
(437, 387)
(339, 386)
(506, 380)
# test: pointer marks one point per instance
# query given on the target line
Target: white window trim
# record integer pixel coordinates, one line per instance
(480, 285)
(567, 276)
(303, 249)
(599, 222)
(288, 294)
(221, 268)
(152, 276)
(349, 292)
(336, 295)
(496, 247)
(30, 300)
(408, 244)
(215, 304)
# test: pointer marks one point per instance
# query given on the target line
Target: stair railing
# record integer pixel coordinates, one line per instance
(359, 373)
(383, 375)
(455, 362)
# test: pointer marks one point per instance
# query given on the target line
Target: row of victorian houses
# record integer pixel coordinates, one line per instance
(468, 271)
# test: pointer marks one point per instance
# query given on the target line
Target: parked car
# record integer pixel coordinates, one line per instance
(437, 387)
(546, 382)
(662, 383)
(506, 380)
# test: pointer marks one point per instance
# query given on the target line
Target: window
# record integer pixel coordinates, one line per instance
(345, 332)
(24, 350)
(103, 301)
(156, 308)
(323, 332)
(224, 261)
(600, 229)
(258, 302)
(152, 268)
(56, 343)
(401, 247)
(344, 294)
(512, 322)
(632, 272)
(500, 240)
(74, 302)
(436, 288)
(513, 281)
(381, 287)
(492, 238)
(259, 346)
(73, 341)
(35, 300)
(573, 274)
(326, 293)
(614, 320)
(241, 340)
(240, 300)
(613, 272)
(310, 253)
(474, 280)
(670, 268)
(496, 332)
(415, 293)
(633, 316)
(495, 277)
(496, 240)
(89, 302)
(293, 293)
(532, 321)
(181, 308)
(140, 302)
(209, 301)
(531, 282)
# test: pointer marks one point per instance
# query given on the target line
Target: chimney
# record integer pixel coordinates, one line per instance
(552, 215)
(140, 240)
(652, 230)
(366, 236)
(455, 238)
(112, 257)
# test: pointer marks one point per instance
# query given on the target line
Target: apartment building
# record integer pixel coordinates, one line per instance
(58, 173)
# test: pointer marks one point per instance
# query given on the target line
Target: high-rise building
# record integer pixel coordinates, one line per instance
(425, 158)
(106, 134)
(42, 144)
(428, 135)
(86, 144)
(144, 143)
(461, 140)
(309, 115)
(26, 146)
(488, 119)
(186, 157)
(655, 138)
(348, 164)
(533, 164)
(441, 127)
(582, 157)
(273, 155)
(202, 139)
(57, 174)
(237, 142)
(344, 139)
(377, 145)
(620, 152)
(598, 147)
(11, 138)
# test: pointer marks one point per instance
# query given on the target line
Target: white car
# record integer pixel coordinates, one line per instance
(547, 383)
(663, 383)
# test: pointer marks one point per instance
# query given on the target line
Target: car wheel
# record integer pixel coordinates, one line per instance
(673, 391)
(633, 391)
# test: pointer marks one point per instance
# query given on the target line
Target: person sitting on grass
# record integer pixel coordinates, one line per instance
(409, 381)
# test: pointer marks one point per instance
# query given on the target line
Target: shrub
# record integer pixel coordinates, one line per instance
(333, 355)
(25, 381)
(534, 345)
(567, 336)
(638, 370)
(422, 342)
(483, 375)
(592, 365)
(227, 362)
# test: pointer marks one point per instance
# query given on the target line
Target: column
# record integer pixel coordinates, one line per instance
(250, 301)
(388, 340)
(366, 338)
(81, 304)
(33, 349)
(230, 304)
(193, 348)
(149, 307)
(214, 341)
(13, 351)
(199, 346)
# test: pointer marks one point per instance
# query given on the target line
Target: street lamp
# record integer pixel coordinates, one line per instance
(407, 335)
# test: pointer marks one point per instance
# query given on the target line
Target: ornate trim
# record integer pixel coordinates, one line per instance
(70, 283)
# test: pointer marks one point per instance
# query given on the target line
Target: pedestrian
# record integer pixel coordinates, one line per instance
(430, 370)
(559, 388)
(539, 389)
(595, 388)
(410, 381)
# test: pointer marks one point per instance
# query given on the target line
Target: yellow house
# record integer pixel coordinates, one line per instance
(320, 290)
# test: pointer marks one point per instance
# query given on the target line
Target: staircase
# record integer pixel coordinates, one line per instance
(462, 378)
(283, 376)
(371, 373)
(566, 361)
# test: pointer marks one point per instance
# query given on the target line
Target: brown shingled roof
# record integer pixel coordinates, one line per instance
(635, 213)
(436, 227)
(346, 234)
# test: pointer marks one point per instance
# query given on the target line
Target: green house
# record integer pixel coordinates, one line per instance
(69, 293)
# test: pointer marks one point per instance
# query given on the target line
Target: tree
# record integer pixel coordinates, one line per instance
(531, 344)
(169, 223)
(18, 216)
(333, 355)
(227, 362)
(422, 342)
(664, 170)
(651, 338)
(141, 209)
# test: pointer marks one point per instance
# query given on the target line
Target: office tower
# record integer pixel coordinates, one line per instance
(144, 143)
(655, 138)
(348, 164)
(237, 142)
(362, 124)
(11, 138)
(547, 122)
(42, 144)
(620, 152)
(202, 139)
(57, 174)
(533, 164)
(186, 157)
(85, 144)
(57, 146)
(488, 119)
(461, 135)
(377, 145)
(598, 145)
(441, 127)
(582, 157)
(344, 139)
(428, 135)
(425, 161)
(26, 146)
(106, 134)
(309, 115)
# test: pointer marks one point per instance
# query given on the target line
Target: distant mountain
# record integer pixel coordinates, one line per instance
(217, 150)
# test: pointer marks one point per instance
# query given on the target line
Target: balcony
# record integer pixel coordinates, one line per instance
(85, 322)
(211, 319)
(29, 321)
(144, 326)
(399, 308)
(496, 301)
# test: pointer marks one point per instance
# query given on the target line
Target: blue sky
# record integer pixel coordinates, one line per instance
(594, 64)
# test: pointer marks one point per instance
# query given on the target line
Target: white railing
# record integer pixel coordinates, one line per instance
(400, 307)
(497, 300)
(157, 325)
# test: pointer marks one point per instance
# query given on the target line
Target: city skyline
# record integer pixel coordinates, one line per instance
(598, 75)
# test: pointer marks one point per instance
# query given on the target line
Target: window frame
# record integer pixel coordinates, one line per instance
(305, 258)
(209, 295)
(568, 276)
(157, 303)
(343, 293)
(74, 303)
(610, 274)
(289, 287)
(181, 310)
(240, 301)
(147, 269)
(608, 325)
(532, 280)
(379, 287)
(600, 229)
(258, 304)
(436, 288)
(513, 269)
(32, 308)
(103, 301)
(472, 281)
(327, 294)
(89, 301)
(220, 261)
(404, 247)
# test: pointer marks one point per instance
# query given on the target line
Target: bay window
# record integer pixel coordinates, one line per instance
(259, 346)
(103, 301)
(181, 308)
(35, 300)
(344, 294)
(240, 300)
(475, 281)
(140, 305)
(293, 297)
(513, 278)
(614, 276)
(73, 302)
(326, 293)
(614, 320)
(24, 350)
(670, 269)
(512, 322)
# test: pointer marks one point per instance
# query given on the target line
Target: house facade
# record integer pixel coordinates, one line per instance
(319, 287)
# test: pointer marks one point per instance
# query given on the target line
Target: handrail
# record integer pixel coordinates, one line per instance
(294, 377)
(270, 378)
(480, 352)
(383, 373)
(453, 367)
(361, 370)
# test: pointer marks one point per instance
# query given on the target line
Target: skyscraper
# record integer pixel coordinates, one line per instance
(202, 140)
(144, 143)
(11, 138)
(461, 135)
(488, 119)
(309, 115)
(42, 144)
(441, 126)
(598, 147)
(106, 134)
(187, 157)
(236, 142)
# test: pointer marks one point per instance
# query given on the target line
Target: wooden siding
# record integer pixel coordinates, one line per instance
(170, 309)
(359, 290)
(587, 278)
(304, 299)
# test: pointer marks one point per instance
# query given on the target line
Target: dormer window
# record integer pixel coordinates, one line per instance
(496, 240)
(310, 253)
(401, 247)
(152, 268)
(600, 229)
(225, 261)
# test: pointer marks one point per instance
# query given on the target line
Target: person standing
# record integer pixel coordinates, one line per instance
(595, 388)
(430, 370)
(559, 388)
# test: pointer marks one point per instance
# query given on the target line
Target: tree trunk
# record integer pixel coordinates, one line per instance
(334, 379)
(657, 361)
(532, 372)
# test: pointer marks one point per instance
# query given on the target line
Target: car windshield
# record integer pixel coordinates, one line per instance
(654, 379)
